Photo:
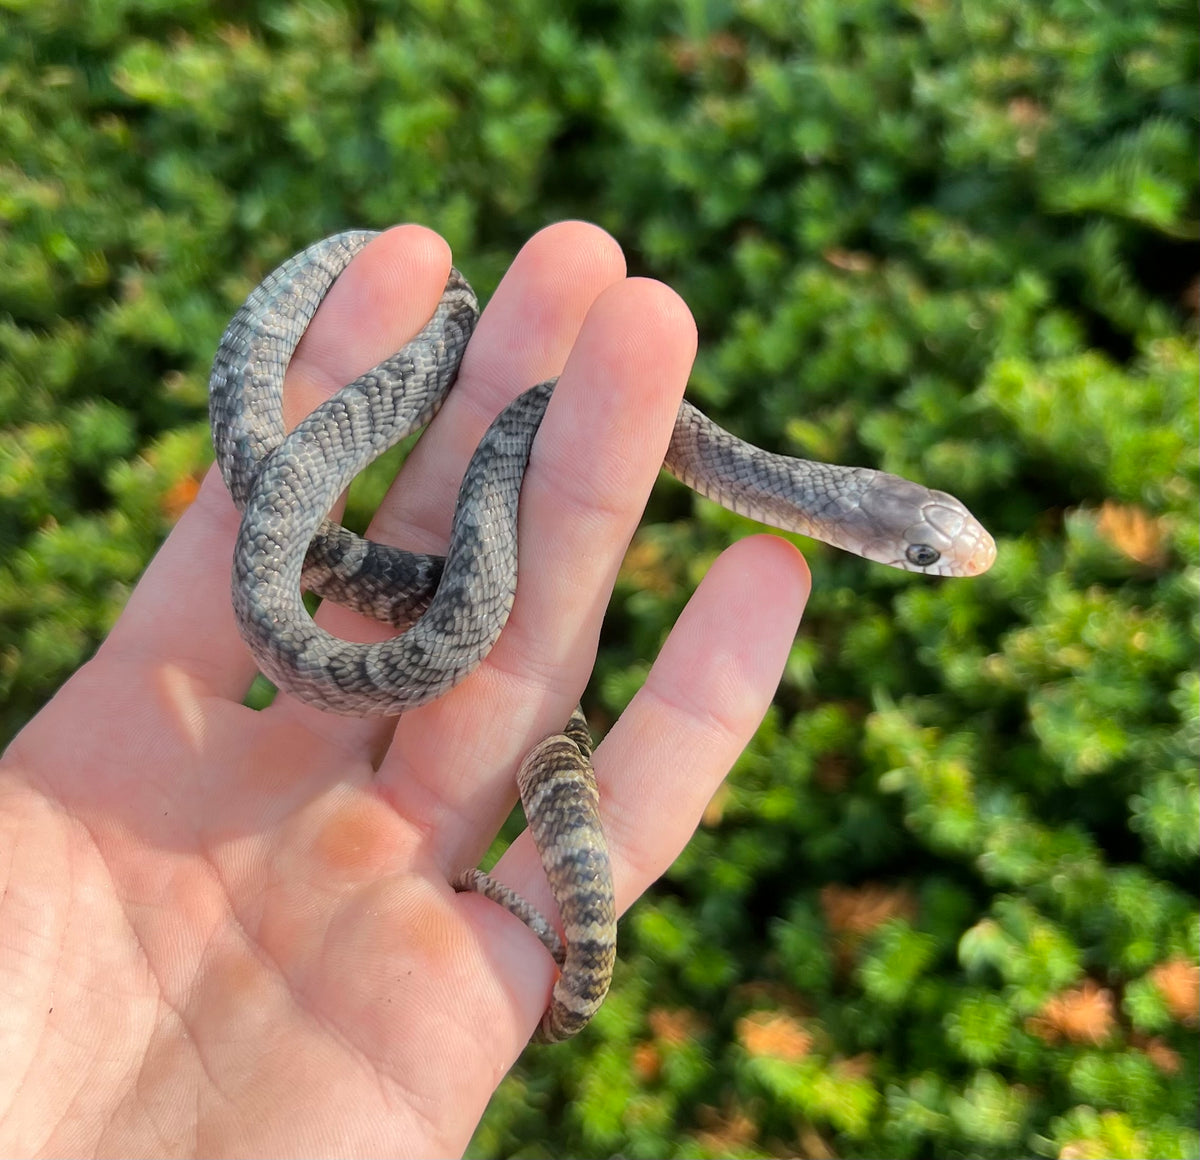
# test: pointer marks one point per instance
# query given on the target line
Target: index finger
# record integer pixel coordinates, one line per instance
(180, 613)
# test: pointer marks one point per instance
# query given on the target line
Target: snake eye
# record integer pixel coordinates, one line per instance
(922, 555)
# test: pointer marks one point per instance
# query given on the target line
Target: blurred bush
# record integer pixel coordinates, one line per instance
(947, 904)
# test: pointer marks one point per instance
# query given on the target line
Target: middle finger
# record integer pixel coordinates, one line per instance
(450, 768)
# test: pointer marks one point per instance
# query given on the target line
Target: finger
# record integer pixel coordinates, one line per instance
(380, 300)
(180, 612)
(523, 337)
(662, 761)
(699, 708)
(597, 455)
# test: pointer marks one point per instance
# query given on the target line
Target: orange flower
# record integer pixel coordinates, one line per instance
(647, 1062)
(770, 1033)
(1082, 1015)
(1163, 1057)
(727, 1133)
(1132, 531)
(178, 497)
(858, 910)
(672, 1027)
(1179, 981)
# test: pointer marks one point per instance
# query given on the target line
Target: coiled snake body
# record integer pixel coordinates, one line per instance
(453, 609)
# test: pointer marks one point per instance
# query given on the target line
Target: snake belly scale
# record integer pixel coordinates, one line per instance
(450, 611)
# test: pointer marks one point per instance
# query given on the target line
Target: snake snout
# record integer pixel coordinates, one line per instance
(966, 547)
(984, 555)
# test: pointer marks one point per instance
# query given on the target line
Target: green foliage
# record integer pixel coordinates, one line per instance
(947, 905)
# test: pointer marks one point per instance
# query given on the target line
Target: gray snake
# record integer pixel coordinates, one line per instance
(453, 609)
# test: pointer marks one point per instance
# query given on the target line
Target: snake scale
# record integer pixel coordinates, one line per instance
(451, 610)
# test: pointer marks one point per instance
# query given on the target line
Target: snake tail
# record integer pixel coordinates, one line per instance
(562, 807)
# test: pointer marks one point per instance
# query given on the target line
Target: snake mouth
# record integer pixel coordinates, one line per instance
(983, 556)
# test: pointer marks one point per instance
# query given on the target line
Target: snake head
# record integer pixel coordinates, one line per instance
(918, 529)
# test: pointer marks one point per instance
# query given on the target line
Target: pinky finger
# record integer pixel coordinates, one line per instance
(705, 696)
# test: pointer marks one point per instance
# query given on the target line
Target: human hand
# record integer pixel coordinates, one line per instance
(228, 931)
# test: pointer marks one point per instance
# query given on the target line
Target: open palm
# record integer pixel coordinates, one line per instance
(228, 931)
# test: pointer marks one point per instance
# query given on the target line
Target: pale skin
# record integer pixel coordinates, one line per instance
(232, 932)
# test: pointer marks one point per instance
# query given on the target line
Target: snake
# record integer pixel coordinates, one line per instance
(448, 611)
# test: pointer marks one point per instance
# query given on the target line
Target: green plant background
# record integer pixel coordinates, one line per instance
(947, 904)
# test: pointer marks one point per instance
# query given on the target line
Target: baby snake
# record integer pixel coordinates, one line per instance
(454, 608)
